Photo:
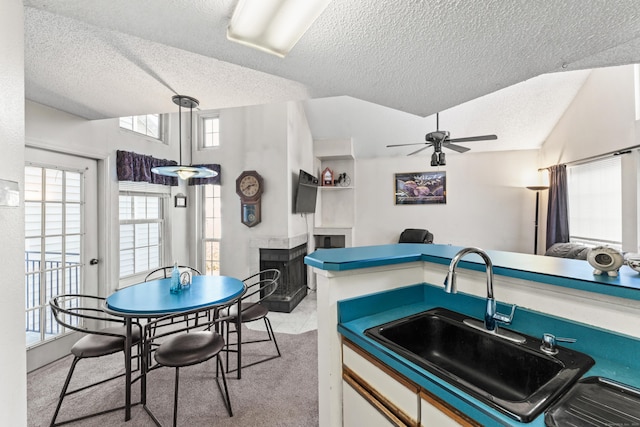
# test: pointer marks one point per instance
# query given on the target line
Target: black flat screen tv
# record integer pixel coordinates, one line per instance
(306, 194)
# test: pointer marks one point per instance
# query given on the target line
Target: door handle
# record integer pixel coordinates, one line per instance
(93, 261)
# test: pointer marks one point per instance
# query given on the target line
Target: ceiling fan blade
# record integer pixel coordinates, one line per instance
(417, 151)
(474, 138)
(454, 147)
(404, 145)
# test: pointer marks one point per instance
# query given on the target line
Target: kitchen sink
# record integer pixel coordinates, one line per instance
(518, 379)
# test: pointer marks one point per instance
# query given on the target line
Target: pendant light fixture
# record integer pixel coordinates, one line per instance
(181, 171)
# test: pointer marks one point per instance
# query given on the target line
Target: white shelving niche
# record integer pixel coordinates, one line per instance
(335, 211)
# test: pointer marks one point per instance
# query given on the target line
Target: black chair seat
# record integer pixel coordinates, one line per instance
(101, 345)
(250, 312)
(190, 339)
(189, 348)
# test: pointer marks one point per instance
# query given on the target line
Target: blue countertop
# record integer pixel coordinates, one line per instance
(615, 354)
(569, 273)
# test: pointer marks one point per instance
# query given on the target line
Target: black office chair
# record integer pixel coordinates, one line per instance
(177, 343)
(415, 235)
(83, 313)
(165, 272)
(259, 287)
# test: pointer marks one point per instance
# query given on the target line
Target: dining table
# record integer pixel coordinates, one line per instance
(153, 299)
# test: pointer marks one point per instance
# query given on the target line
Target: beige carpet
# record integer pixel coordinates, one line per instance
(282, 392)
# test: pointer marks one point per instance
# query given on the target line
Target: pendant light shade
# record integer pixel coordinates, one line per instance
(182, 171)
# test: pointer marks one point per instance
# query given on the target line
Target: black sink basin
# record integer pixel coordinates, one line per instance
(517, 379)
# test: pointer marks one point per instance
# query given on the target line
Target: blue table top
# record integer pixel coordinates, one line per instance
(153, 298)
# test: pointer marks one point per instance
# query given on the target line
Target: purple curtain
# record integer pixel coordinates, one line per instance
(557, 210)
(213, 180)
(137, 167)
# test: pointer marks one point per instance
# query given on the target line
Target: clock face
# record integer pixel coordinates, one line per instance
(249, 186)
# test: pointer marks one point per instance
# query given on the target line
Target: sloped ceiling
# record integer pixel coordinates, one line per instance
(102, 59)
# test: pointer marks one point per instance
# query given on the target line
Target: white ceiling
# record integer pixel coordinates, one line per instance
(101, 59)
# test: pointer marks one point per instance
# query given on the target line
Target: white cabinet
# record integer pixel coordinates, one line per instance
(384, 391)
(436, 413)
(362, 409)
(375, 395)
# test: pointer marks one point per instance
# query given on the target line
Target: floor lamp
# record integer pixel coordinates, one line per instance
(537, 189)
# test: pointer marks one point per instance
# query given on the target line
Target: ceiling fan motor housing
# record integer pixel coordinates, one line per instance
(438, 135)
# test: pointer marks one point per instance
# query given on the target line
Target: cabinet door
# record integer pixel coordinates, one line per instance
(436, 413)
(394, 392)
(359, 408)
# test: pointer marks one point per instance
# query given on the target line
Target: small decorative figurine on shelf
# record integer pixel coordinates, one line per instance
(185, 280)
(343, 180)
(327, 177)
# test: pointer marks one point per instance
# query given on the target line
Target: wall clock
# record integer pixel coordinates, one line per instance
(249, 186)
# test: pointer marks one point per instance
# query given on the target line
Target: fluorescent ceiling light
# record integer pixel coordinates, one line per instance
(274, 26)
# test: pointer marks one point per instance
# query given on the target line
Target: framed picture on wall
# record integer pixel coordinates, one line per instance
(420, 188)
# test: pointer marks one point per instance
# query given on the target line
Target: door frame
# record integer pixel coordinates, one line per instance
(93, 275)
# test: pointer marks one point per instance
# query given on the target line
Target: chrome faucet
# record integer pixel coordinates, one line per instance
(491, 316)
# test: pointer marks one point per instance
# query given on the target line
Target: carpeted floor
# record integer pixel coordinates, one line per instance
(282, 392)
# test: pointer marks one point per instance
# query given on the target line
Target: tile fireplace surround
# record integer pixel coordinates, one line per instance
(286, 254)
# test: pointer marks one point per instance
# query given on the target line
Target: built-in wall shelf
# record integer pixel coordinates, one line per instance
(336, 204)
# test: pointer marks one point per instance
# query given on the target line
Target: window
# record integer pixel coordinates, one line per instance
(53, 244)
(141, 231)
(149, 125)
(210, 132)
(212, 229)
(595, 202)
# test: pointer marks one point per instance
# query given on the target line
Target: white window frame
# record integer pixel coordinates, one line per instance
(161, 126)
(205, 215)
(596, 201)
(145, 189)
(49, 329)
(202, 118)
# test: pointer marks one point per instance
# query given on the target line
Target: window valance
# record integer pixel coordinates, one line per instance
(137, 167)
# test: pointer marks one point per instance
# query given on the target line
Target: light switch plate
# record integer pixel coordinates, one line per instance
(9, 193)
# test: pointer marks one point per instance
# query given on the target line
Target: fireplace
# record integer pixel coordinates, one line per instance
(293, 279)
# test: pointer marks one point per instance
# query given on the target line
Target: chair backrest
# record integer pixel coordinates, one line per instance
(261, 285)
(83, 313)
(165, 272)
(415, 235)
(185, 321)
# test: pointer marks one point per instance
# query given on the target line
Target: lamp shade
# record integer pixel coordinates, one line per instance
(181, 171)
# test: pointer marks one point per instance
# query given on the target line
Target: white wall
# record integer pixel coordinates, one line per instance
(601, 119)
(13, 385)
(272, 140)
(52, 129)
(487, 202)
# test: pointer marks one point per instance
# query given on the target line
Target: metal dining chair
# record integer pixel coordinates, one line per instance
(185, 339)
(260, 286)
(105, 335)
(165, 272)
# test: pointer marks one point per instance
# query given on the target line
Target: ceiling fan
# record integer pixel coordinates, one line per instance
(439, 139)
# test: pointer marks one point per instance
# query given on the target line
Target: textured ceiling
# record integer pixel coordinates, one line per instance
(100, 59)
